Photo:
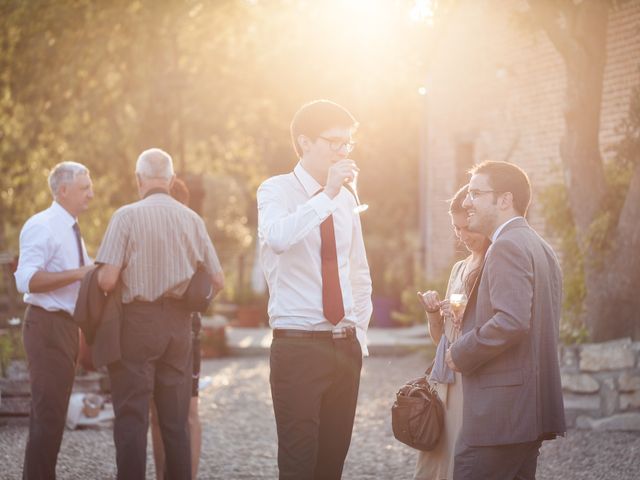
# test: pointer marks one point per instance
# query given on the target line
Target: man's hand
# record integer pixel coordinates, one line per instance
(341, 172)
(449, 360)
(217, 280)
(42, 281)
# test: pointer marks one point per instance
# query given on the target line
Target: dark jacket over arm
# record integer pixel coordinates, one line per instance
(99, 317)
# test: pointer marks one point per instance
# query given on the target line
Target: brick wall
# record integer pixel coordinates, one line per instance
(502, 90)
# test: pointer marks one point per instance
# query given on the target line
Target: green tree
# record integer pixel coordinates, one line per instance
(215, 84)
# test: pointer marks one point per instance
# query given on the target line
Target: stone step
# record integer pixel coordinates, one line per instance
(15, 406)
(15, 387)
(15, 393)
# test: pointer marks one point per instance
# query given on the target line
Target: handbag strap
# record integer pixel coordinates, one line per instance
(427, 372)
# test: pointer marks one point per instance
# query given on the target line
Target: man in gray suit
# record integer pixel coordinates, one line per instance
(507, 352)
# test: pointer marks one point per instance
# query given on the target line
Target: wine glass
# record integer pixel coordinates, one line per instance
(458, 302)
(353, 185)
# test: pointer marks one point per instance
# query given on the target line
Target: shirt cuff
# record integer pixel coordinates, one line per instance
(323, 205)
(23, 278)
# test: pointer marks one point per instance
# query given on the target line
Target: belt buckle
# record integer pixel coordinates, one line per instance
(344, 332)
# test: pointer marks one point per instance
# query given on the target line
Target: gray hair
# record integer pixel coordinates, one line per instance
(154, 163)
(65, 173)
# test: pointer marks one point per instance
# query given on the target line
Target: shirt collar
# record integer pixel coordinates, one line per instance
(153, 191)
(310, 185)
(501, 227)
(61, 212)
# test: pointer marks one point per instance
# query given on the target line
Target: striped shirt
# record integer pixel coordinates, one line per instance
(158, 244)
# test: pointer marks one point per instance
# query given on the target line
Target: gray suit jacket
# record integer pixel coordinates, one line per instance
(508, 350)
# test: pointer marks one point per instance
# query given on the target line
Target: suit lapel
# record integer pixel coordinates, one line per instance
(473, 296)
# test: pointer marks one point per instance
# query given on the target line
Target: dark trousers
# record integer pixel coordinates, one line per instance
(314, 386)
(51, 344)
(156, 362)
(501, 462)
(196, 327)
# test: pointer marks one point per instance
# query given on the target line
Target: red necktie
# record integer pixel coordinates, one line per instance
(332, 305)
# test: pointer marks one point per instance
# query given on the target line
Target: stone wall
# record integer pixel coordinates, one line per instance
(601, 385)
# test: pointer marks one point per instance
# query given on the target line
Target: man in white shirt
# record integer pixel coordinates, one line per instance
(53, 260)
(313, 256)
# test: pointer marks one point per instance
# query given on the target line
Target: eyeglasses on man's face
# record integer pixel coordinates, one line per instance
(336, 144)
(475, 193)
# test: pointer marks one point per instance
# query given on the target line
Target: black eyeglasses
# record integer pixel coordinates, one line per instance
(336, 144)
(473, 193)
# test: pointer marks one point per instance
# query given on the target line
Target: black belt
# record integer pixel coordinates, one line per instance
(161, 302)
(345, 332)
(62, 313)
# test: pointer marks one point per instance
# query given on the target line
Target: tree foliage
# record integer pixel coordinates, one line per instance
(213, 83)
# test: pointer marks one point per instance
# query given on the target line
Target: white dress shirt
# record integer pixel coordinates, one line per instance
(501, 227)
(289, 217)
(48, 243)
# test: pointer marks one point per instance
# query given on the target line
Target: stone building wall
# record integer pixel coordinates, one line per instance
(496, 92)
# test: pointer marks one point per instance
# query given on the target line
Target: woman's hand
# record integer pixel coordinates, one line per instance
(446, 310)
(430, 301)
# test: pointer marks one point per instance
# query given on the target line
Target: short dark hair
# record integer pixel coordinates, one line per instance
(315, 117)
(507, 177)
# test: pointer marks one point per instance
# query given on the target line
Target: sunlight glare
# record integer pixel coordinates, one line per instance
(422, 11)
(367, 17)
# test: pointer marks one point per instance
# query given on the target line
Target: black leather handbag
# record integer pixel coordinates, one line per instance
(417, 415)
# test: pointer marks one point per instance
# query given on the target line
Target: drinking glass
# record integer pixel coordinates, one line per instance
(458, 302)
(360, 207)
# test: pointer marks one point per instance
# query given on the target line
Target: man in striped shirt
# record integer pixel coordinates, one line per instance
(154, 246)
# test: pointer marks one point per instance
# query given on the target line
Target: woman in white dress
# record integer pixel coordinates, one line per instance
(444, 328)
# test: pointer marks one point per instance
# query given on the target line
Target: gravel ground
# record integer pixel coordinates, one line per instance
(239, 440)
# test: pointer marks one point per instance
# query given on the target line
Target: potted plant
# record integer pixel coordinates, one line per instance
(251, 308)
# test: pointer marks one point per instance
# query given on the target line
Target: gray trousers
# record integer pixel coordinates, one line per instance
(314, 386)
(500, 462)
(51, 344)
(156, 362)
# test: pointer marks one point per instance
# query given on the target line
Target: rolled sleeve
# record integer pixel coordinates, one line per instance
(35, 249)
(113, 247)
